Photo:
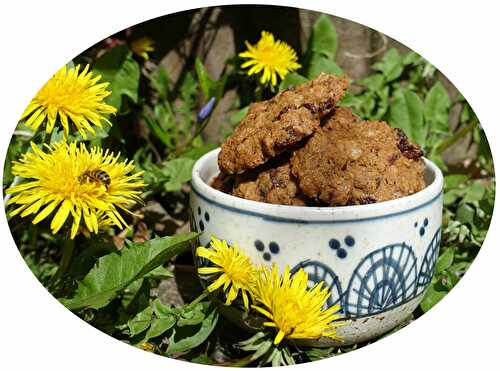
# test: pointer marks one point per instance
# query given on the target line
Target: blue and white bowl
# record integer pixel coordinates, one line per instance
(377, 259)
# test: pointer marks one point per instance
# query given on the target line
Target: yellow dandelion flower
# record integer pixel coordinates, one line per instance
(269, 57)
(236, 271)
(294, 310)
(91, 187)
(72, 96)
(143, 46)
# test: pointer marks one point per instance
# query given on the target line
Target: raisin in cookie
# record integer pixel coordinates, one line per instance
(273, 126)
(352, 162)
(271, 183)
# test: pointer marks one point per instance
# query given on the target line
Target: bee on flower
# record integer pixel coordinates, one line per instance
(269, 58)
(70, 96)
(89, 187)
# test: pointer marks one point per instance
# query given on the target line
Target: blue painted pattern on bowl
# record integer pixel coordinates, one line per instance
(377, 259)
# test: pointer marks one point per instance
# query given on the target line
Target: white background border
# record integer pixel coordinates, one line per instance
(458, 37)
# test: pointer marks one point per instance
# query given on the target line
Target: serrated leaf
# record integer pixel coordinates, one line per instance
(391, 65)
(188, 337)
(406, 112)
(437, 104)
(292, 79)
(323, 39)
(121, 71)
(116, 271)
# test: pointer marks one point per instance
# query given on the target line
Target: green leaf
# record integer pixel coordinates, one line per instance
(383, 103)
(455, 180)
(437, 104)
(451, 196)
(178, 171)
(159, 326)
(196, 153)
(188, 89)
(445, 260)
(431, 298)
(450, 280)
(202, 359)
(160, 82)
(411, 58)
(157, 130)
(465, 214)
(161, 310)
(140, 322)
(160, 272)
(188, 337)
(406, 112)
(206, 83)
(135, 297)
(474, 192)
(121, 71)
(373, 82)
(391, 65)
(116, 271)
(192, 315)
(236, 117)
(320, 64)
(323, 39)
(165, 318)
(292, 79)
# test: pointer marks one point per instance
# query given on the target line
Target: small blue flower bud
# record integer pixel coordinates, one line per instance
(206, 110)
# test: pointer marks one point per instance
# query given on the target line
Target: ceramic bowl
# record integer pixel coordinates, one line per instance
(377, 259)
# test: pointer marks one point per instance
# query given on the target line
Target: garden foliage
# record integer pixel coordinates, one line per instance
(112, 280)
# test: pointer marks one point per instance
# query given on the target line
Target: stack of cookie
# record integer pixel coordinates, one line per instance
(299, 148)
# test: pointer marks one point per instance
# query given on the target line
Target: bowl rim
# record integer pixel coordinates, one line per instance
(316, 214)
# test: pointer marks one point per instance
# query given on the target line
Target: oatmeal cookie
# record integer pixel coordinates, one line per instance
(223, 182)
(273, 126)
(271, 183)
(352, 162)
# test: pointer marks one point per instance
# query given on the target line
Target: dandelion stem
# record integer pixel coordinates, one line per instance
(202, 296)
(456, 137)
(67, 256)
